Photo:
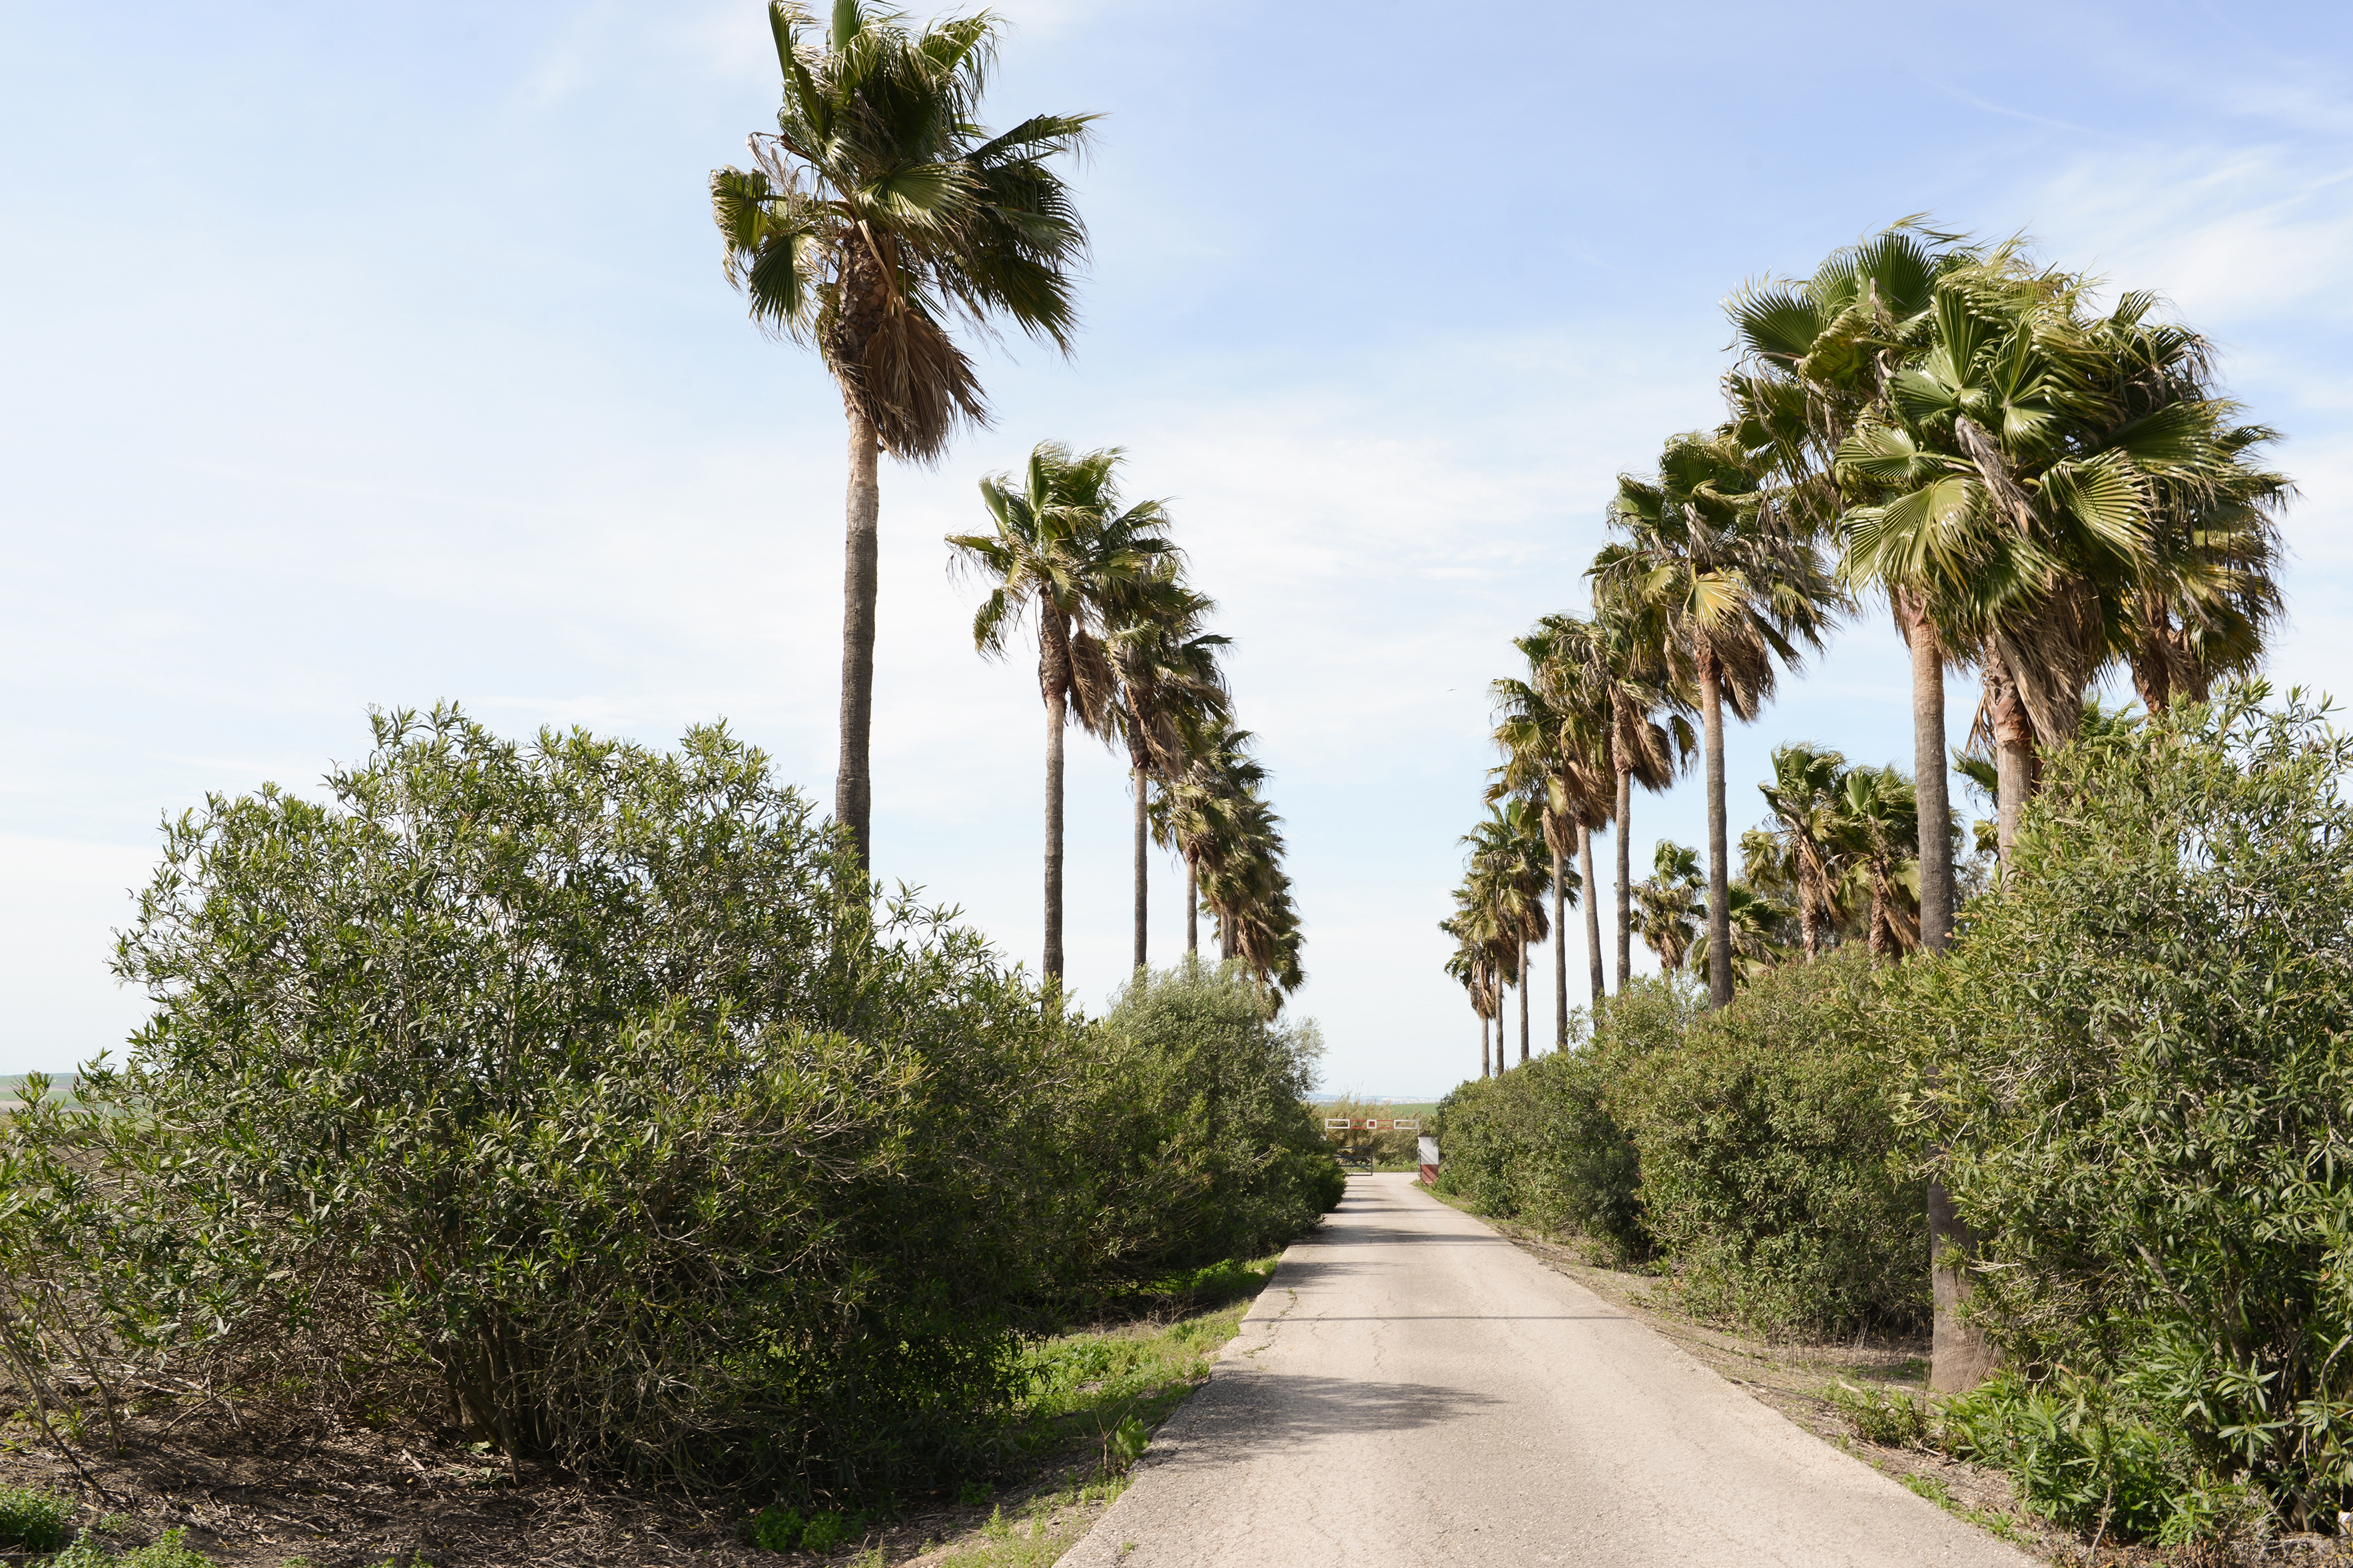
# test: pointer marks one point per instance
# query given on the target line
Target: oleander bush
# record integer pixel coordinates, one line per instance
(2133, 1073)
(1544, 1142)
(586, 1097)
(1765, 1139)
(1203, 1149)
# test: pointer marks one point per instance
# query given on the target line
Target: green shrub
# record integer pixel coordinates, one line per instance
(1892, 1417)
(1764, 1141)
(2083, 1456)
(583, 1088)
(1544, 1143)
(34, 1520)
(2135, 1075)
(1195, 1143)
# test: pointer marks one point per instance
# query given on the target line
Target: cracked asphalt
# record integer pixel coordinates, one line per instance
(1412, 1389)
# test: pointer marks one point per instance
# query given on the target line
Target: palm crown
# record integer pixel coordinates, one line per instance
(880, 210)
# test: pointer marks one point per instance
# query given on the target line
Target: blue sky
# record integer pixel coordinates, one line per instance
(356, 356)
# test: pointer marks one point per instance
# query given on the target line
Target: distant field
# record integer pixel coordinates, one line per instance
(12, 1086)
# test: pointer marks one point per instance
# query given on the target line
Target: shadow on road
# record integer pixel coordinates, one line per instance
(1235, 1419)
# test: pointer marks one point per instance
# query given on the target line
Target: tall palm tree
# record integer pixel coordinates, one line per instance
(1804, 797)
(1669, 908)
(1065, 553)
(1626, 659)
(1552, 756)
(1816, 356)
(877, 213)
(1879, 823)
(1564, 716)
(1510, 865)
(1739, 589)
(1171, 694)
(1468, 966)
(1194, 812)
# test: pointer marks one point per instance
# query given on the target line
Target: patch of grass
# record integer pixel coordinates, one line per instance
(1936, 1492)
(781, 1528)
(1111, 1390)
(34, 1520)
(1037, 1536)
(1104, 1393)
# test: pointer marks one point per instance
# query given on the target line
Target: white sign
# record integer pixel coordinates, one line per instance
(1428, 1151)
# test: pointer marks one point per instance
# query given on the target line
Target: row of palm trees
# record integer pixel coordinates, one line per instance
(878, 216)
(1123, 655)
(1837, 861)
(2037, 489)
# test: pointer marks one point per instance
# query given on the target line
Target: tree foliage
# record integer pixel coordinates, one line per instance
(2132, 1074)
(586, 1093)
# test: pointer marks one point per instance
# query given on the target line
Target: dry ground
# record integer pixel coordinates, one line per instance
(354, 1497)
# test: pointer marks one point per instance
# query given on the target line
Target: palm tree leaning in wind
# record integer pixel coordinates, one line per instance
(877, 213)
(1249, 892)
(1065, 554)
(1171, 692)
(1550, 754)
(1473, 962)
(1739, 589)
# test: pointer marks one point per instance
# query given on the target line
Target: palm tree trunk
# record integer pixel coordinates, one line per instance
(1959, 1356)
(1719, 877)
(1524, 1001)
(1625, 879)
(1055, 707)
(853, 784)
(1559, 952)
(1482, 1046)
(2014, 759)
(1192, 912)
(1592, 910)
(1930, 779)
(1142, 871)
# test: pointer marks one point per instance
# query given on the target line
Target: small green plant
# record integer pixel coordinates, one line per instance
(33, 1520)
(171, 1550)
(774, 1528)
(824, 1531)
(971, 1494)
(1127, 1444)
(1891, 1417)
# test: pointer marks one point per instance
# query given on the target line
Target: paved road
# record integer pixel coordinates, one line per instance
(1412, 1389)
